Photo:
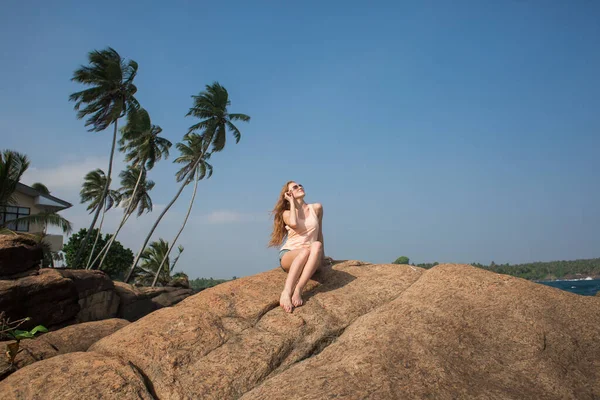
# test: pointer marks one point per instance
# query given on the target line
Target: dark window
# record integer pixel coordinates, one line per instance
(10, 213)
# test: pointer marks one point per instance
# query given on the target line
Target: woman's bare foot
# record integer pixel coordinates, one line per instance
(297, 299)
(285, 301)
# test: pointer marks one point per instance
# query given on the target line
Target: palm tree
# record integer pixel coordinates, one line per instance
(109, 97)
(143, 148)
(189, 152)
(41, 188)
(180, 249)
(12, 167)
(92, 191)
(135, 195)
(211, 106)
(193, 156)
(151, 259)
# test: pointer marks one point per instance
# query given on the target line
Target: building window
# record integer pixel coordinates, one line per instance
(10, 213)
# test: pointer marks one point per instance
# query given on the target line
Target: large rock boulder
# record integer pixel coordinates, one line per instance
(180, 281)
(459, 332)
(59, 297)
(365, 331)
(136, 302)
(47, 297)
(71, 339)
(18, 255)
(60, 378)
(96, 294)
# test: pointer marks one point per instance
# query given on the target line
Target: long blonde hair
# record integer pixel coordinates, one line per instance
(279, 231)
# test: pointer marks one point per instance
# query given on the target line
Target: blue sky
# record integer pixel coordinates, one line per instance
(462, 131)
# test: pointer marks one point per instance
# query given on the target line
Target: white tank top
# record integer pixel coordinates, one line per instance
(306, 232)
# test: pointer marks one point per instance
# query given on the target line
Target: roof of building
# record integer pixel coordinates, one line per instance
(29, 191)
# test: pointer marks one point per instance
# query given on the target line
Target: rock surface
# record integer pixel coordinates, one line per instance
(136, 302)
(74, 338)
(365, 331)
(62, 377)
(48, 298)
(59, 297)
(18, 255)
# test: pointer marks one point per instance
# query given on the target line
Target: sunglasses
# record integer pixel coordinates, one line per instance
(297, 187)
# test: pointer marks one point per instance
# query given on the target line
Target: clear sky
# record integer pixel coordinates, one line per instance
(462, 131)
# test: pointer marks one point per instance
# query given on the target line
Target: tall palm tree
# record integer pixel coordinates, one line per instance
(195, 145)
(92, 191)
(193, 156)
(12, 167)
(211, 107)
(109, 96)
(143, 148)
(135, 195)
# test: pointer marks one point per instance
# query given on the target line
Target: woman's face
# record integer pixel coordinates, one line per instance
(296, 189)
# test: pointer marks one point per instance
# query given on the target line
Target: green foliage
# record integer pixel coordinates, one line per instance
(180, 275)
(427, 265)
(40, 187)
(211, 107)
(152, 258)
(548, 270)
(18, 334)
(140, 140)
(401, 260)
(204, 283)
(9, 331)
(92, 191)
(12, 167)
(117, 261)
(135, 190)
(541, 270)
(110, 89)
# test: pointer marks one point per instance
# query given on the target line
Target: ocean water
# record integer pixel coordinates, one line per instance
(583, 287)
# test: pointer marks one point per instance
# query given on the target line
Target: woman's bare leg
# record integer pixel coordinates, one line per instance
(313, 262)
(293, 262)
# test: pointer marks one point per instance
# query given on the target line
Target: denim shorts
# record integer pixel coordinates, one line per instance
(281, 253)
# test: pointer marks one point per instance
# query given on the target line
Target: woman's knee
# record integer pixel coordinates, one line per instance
(316, 246)
(304, 253)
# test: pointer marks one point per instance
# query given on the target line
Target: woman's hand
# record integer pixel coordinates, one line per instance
(289, 196)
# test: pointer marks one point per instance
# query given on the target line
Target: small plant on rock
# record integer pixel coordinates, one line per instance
(8, 330)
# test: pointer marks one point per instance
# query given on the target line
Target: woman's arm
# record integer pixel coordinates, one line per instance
(319, 208)
(289, 216)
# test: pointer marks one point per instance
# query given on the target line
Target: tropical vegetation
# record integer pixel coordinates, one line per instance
(118, 258)
(202, 139)
(549, 270)
(109, 96)
(12, 167)
(150, 270)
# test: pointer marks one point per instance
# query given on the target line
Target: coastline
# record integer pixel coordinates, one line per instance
(571, 278)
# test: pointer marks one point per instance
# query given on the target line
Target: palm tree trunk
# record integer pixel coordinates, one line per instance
(87, 236)
(137, 258)
(172, 245)
(104, 250)
(88, 265)
(126, 216)
(175, 262)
